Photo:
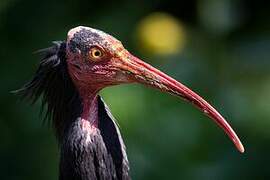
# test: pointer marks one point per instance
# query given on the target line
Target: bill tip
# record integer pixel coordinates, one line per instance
(239, 145)
(241, 148)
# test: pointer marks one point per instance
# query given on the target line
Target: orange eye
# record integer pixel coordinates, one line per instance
(96, 53)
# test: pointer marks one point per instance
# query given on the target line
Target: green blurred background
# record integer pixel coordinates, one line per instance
(219, 48)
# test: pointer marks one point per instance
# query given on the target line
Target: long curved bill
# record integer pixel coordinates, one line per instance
(141, 72)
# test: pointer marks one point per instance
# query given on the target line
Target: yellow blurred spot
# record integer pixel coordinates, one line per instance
(160, 33)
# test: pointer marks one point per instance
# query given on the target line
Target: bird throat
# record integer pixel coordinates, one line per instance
(89, 117)
(90, 111)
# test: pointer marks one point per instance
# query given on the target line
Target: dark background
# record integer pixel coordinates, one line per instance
(224, 56)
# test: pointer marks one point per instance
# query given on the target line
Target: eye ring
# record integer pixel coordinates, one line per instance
(96, 53)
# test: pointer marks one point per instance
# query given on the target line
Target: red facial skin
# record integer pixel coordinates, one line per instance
(118, 66)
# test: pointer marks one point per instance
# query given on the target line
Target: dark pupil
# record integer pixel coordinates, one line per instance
(97, 53)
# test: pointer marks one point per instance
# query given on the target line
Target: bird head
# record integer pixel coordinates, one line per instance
(93, 60)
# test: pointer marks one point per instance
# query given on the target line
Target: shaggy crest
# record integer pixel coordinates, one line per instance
(51, 82)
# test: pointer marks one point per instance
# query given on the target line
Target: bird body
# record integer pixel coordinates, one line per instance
(69, 77)
(94, 151)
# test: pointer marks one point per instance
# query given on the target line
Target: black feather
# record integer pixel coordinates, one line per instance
(103, 158)
(60, 99)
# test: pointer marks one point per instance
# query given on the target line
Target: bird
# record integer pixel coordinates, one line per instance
(68, 80)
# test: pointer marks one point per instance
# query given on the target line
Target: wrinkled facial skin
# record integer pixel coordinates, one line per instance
(88, 71)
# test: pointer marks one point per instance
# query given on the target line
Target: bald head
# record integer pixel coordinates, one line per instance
(82, 38)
